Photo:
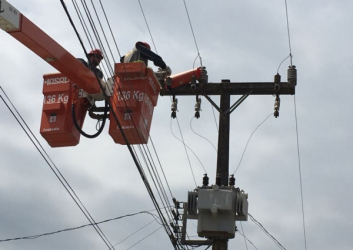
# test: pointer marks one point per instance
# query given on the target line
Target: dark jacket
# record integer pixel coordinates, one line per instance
(142, 53)
(95, 70)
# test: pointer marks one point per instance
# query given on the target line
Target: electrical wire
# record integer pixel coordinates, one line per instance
(134, 233)
(266, 232)
(242, 229)
(281, 63)
(97, 36)
(138, 162)
(299, 167)
(156, 173)
(148, 27)
(193, 34)
(79, 227)
(103, 32)
(297, 132)
(289, 42)
(208, 247)
(53, 167)
(149, 158)
(149, 30)
(201, 135)
(182, 139)
(215, 120)
(146, 158)
(110, 29)
(247, 240)
(160, 165)
(144, 238)
(163, 191)
(249, 141)
(155, 181)
(185, 145)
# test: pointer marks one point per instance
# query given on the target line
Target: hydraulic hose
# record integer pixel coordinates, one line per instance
(105, 115)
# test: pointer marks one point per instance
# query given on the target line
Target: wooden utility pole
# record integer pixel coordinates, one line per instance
(223, 138)
(225, 89)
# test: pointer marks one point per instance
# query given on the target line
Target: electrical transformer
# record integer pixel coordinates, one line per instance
(216, 209)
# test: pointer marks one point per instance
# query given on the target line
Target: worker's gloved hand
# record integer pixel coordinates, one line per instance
(165, 72)
(168, 71)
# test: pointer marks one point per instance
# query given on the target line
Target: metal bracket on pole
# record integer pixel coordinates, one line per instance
(183, 235)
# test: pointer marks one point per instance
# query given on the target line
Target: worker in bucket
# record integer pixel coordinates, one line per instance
(94, 59)
(142, 52)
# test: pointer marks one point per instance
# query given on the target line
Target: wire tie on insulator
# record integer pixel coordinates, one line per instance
(277, 106)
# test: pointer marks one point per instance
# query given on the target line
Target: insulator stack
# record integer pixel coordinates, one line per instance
(232, 181)
(218, 180)
(205, 180)
(277, 105)
(277, 78)
(197, 107)
(174, 107)
(292, 75)
(203, 76)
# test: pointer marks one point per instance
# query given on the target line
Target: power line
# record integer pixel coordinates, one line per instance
(134, 233)
(246, 146)
(289, 42)
(111, 32)
(266, 232)
(299, 167)
(193, 34)
(132, 151)
(155, 179)
(103, 32)
(54, 168)
(144, 238)
(148, 27)
(245, 238)
(242, 229)
(160, 165)
(182, 138)
(79, 227)
(215, 120)
(96, 34)
(201, 135)
(185, 146)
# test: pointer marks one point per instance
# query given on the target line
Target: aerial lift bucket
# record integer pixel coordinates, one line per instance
(136, 92)
(57, 125)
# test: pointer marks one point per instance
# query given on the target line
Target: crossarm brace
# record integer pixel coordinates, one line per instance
(232, 108)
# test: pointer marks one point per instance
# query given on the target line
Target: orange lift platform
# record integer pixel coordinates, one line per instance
(59, 91)
(136, 92)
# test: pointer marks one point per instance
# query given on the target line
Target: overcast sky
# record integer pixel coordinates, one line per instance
(244, 41)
